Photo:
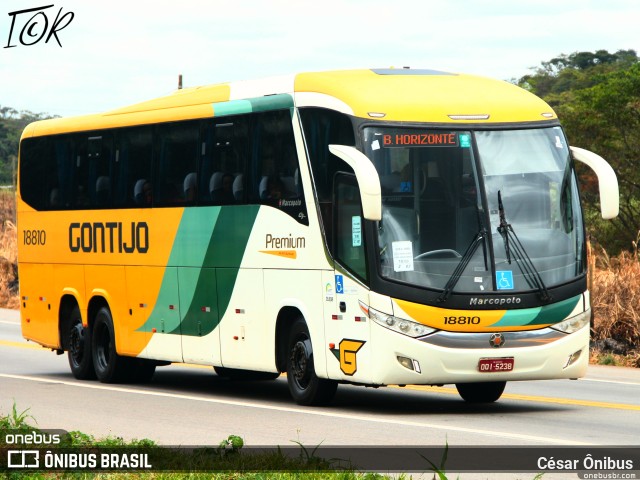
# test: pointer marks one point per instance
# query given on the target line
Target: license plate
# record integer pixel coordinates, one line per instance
(487, 365)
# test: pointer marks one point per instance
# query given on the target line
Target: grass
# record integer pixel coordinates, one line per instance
(615, 300)
(8, 251)
(615, 293)
(16, 420)
(226, 461)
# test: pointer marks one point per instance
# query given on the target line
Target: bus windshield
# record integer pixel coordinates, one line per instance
(477, 211)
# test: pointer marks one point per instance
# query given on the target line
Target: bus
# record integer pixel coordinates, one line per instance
(371, 227)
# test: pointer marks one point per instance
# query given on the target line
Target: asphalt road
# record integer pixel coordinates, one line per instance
(189, 405)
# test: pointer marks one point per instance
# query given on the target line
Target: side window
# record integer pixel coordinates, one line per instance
(323, 128)
(349, 240)
(223, 163)
(132, 166)
(99, 158)
(176, 180)
(276, 176)
(39, 185)
(61, 193)
(80, 185)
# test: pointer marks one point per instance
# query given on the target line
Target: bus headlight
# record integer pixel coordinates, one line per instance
(573, 324)
(400, 325)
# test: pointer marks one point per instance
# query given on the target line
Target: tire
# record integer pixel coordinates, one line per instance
(109, 366)
(481, 392)
(304, 385)
(244, 375)
(79, 344)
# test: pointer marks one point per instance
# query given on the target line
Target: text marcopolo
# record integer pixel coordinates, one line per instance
(495, 301)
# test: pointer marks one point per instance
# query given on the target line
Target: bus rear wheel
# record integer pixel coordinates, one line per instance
(79, 344)
(481, 392)
(109, 366)
(305, 386)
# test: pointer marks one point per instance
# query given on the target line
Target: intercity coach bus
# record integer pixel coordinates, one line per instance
(371, 227)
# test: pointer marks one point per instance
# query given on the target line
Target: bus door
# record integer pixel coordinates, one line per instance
(347, 330)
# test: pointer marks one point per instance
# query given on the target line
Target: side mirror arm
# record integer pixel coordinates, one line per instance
(607, 181)
(367, 177)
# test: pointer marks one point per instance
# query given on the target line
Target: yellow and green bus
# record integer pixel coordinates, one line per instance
(372, 227)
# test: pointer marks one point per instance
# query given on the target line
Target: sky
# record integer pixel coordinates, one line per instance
(115, 53)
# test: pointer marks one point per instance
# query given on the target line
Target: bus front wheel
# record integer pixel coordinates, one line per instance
(481, 392)
(109, 366)
(79, 353)
(305, 386)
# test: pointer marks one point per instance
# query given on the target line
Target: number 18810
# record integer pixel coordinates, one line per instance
(461, 320)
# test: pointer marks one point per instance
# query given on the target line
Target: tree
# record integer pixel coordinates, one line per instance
(12, 124)
(575, 71)
(597, 97)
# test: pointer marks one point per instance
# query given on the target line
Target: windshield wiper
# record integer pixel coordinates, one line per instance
(523, 260)
(464, 261)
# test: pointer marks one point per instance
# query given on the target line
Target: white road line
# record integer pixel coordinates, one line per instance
(8, 322)
(617, 382)
(306, 411)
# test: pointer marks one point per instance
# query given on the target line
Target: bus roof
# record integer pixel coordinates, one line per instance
(406, 95)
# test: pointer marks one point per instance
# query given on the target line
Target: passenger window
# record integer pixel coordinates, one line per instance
(176, 181)
(99, 170)
(277, 176)
(225, 149)
(132, 164)
(38, 169)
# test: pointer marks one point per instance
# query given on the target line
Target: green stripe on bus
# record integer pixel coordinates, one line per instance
(193, 238)
(558, 312)
(258, 104)
(212, 289)
(208, 251)
(547, 315)
(233, 107)
(271, 102)
(190, 246)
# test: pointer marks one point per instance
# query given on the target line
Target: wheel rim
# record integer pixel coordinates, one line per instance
(103, 347)
(301, 362)
(76, 344)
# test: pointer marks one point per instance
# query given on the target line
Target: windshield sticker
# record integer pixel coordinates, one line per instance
(356, 231)
(375, 145)
(504, 279)
(402, 256)
(420, 140)
(465, 140)
(558, 142)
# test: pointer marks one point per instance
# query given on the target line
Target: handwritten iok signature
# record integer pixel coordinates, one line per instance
(33, 25)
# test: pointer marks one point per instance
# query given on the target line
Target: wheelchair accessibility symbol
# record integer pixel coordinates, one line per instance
(504, 279)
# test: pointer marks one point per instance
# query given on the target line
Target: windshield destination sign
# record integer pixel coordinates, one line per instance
(420, 140)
